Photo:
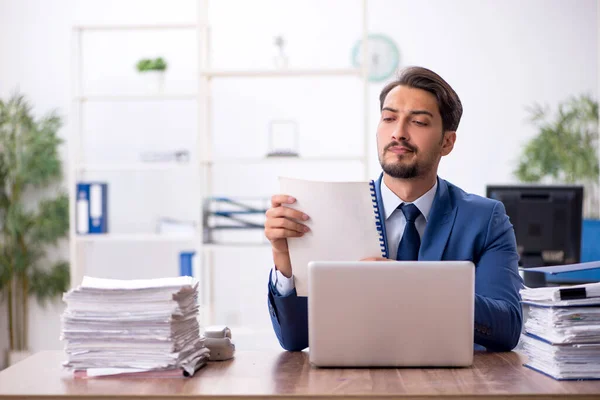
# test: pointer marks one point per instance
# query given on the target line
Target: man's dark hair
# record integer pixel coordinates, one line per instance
(422, 78)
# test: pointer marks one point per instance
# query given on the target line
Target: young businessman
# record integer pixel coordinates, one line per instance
(426, 217)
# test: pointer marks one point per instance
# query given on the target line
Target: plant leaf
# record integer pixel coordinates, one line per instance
(52, 220)
(47, 284)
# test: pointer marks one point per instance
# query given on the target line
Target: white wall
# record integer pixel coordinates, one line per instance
(500, 56)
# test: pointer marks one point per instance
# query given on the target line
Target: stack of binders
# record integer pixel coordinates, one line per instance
(133, 328)
(562, 332)
(229, 220)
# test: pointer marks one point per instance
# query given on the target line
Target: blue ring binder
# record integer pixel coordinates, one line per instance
(378, 222)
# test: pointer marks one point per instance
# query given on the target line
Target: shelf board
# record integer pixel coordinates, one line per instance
(133, 27)
(135, 237)
(275, 73)
(266, 160)
(137, 97)
(158, 166)
(155, 237)
(165, 166)
(231, 246)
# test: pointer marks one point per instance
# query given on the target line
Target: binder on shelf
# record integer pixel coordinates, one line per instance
(187, 263)
(234, 220)
(92, 208)
(83, 209)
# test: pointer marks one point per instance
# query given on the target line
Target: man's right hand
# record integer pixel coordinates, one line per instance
(281, 223)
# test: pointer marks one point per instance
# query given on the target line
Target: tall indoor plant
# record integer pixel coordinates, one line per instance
(565, 151)
(33, 213)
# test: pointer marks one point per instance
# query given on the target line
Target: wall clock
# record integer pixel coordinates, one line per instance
(384, 57)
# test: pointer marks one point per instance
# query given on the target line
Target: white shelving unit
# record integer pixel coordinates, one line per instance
(148, 97)
(280, 73)
(134, 237)
(205, 159)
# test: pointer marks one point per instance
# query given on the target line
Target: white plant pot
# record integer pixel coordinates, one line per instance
(17, 355)
(154, 81)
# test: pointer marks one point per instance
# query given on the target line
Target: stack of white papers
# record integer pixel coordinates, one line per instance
(114, 327)
(562, 325)
(562, 332)
(565, 361)
(588, 294)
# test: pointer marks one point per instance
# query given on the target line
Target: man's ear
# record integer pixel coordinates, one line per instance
(448, 142)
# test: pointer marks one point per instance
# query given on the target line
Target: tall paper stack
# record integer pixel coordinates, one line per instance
(562, 333)
(133, 327)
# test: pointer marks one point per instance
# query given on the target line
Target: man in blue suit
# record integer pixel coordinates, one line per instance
(426, 217)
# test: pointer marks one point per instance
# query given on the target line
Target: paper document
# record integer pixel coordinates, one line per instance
(562, 331)
(126, 327)
(563, 362)
(553, 294)
(342, 220)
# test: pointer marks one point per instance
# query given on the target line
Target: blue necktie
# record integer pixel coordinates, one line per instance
(408, 248)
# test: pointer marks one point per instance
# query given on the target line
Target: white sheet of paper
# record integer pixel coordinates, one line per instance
(93, 372)
(119, 284)
(342, 222)
(553, 293)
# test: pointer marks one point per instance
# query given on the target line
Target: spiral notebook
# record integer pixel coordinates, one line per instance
(345, 223)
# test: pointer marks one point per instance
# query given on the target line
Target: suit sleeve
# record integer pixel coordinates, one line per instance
(498, 311)
(289, 316)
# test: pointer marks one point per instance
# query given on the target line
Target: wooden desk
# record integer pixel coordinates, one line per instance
(279, 374)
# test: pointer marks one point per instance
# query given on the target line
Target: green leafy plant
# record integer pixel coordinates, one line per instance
(565, 149)
(33, 212)
(148, 64)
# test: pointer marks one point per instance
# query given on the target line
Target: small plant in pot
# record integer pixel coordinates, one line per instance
(155, 68)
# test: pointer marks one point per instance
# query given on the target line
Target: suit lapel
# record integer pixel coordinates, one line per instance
(439, 225)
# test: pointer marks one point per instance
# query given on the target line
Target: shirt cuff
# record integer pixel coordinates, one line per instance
(282, 284)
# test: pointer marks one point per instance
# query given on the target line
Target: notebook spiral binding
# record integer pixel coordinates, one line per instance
(378, 220)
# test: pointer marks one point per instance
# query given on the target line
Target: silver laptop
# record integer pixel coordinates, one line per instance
(391, 313)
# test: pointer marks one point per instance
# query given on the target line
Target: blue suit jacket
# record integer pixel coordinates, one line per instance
(460, 226)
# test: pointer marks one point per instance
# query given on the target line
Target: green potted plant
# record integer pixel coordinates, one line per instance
(565, 151)
(33, 215)
(154, 69)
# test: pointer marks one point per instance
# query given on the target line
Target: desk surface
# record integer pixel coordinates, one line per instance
(280, 374)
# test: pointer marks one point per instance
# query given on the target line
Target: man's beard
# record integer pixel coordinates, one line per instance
(405, 171)
(396, 170)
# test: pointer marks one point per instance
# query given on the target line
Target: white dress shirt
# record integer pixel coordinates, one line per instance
(394, 217)
(394, 228)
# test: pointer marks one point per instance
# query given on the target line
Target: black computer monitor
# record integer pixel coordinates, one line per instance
(547, 222)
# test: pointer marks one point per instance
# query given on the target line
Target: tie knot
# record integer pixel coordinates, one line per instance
(410, 211)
